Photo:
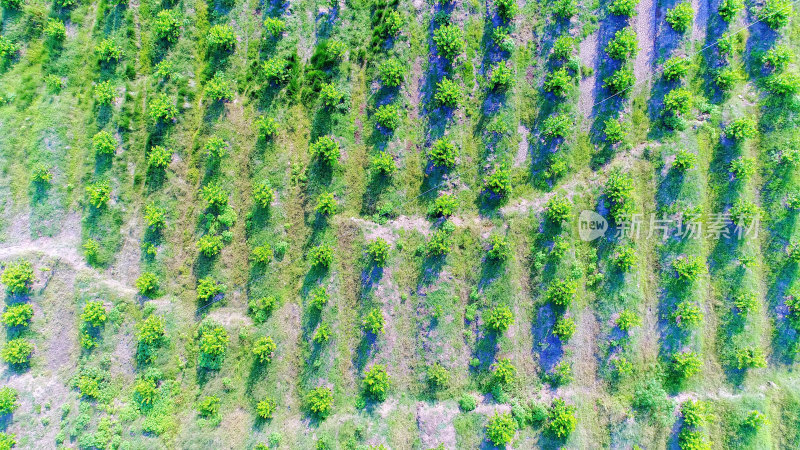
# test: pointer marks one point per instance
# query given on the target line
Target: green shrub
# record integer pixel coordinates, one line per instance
(625, 257)
(91, 249)
(506, 9)
(266, 408)
(262, 254)
(676, 68)
(561, 419)
(319, 402)
(778, 57)
(318, 298)
(213, 343)
(775, 13)
(561, 292)
(261, 308)
(503, 372)
(209, 245)
(330, 96)
(393, 23)
(439, 243)
(221, 39)
(147, 283)
(448, 93)
(274, 27)
(55, 31)
(502, 76)
(729, 8)
(686, 364)
(167, 26)
(445, 205)
(750, 358)
(98, 193)
(619, 190)
(557, 126)
(499, 318)
(374, 322)
(687, 314)
(564, 9)
(498, 182)
(322, 334)
(725, 78)
(159, 157)
(503, 40)
(688, 268)
(263, 195)
(783, 84)
(208, 288)
(18, 277)
(615, 130)
(560, 374)
(499, 248)
(563, 47)
(449, 41)
(104, 143)
(326, 204)
(501, 429)
(620, 81)
(326, 149)
(678, 101)
(11, 4)
(209, 406)
(8, 400)
(321, 256)
(41, 174)
(218, 89)
(684, 160)
(17, 351)
(376, 382)
(443, 153)
(467, 403)
(107, 51)
(438, 376)
(680, 17)
(388, 116)
(104, 93)
(18, 315)
(214, 196)
(145, 392)
(746, 302)
(744, 211)
(565, 328)
(151, 333)
(383, 163)
(558, 82)
(625, 8)
(755, 420)
(8, 49)
(276, 70)
(267, 127)
(378, 251)
(162, 109)
(742, 128)
(264, 349)
(624, 45)
(743, 168)
(392, 73)
(558, 209)
(94, 313)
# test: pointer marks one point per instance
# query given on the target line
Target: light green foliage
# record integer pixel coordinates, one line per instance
(750, 358)
(564, 328)
(558, 209)
(374, 322)
(208, 288)
(624, 8)
(742, 128)
(94, 313)
(620, 81)
(619, 190)
(104, 143)
(319, 402)
(274, 27)
(8, 49)
(262, 254)
(684, 160)
(260, 308)
(322, 335)
(162, 109)
(155, 216)
(209, 245)
(501, 77)
(326, 149)
(214, 195)
(449, 41)
(266, 408)
(438, 376)
(687, 314)
(326, 204)
(557, 126)
(628, 320)
(561, 421)
(686, 364)
(625, 257)
(220, 39)
(321, 256)
(8, 400)
(499, 318)
(558, 82)
(376, 382)
(392, 73)
(318, 298)
(564, 9)
(467, 402)
(394, 23)
(755, 420)
(212, 343)
(445, 205)
(743, 167)
(778, 57)
(440, 241)
(18, 277)
(147, 283)
(55, 30)
(209, 406)
(41, 174)
(775, 13)
(615, 130)
(264, 349)
(499, 248)
(676, 68)
(688, 268)
(108, 50)
(448, 93)
(744, 211)
(378, 251)
(167, 26)
(275, 70)
(726, 77)
(17, 351)
(104, 93)
(498, 182)
(98, 193)
(624, 45)
(388, 116)
(151, 333)
(383, 164)
(503, 40)
(18, 315)
(263, 195)
(145, 392)
(11, 4)
(330, 96)
(561, 292)
(680, 17)
(503, 372)
(443, 153)
(746, 302)
(678, 101)
(729, 8)
(783, 84)
(563, 47)
(501, 429)
(218, 89)
(159, 157)
(267, 127)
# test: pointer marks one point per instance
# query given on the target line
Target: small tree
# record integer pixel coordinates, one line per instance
(267, 127)
(326, 204)
(506, 9)
(145, 392)
(501, 429)
(448, 93)
(443, 153)
(266, 408)
(167, 26)
(561, 419)
(378, 251)
(750, 358)
(775, 13)
(209, 406)
(564, 9)
(264, 349)
(445, 205)
(729, 8)
(262, 254)
(17, 351)
(624, 45)
(147, 283)
(678, 101)
(41, 174)
(376, 382)
(561, 292)
(18, 315)
(8, 400)
(374, 322)
(383, 163)
(563, 47)
(558, 82)
(615, 130)
(151, 335)
(104, 93)
(684, 160)
(688, 267)
(159, 157)
(218, 89)
(209, 245)
(213, 343)
(208, 288)
(388, 116)
(503, 372)
(330, 96)
(687, 314)
(449, 41)
(162, 109)
(263, 195)
(438, 376)
(565, 328)
(557, 126)
(626, 8)
(321, 256)
(498, 183)
(221, 39)
(680, 17)
(392, 73)
(326, 149)
(501, 76)
(558, 209)
(628, 320)
(620, 81)
(741, 129)
(685, 365)
(55, 30)
(107, 51)
(274, 27)
(439, 243)
(319, 402)
(676, 68)
(499, 318)
(18, 277)
(499, 248)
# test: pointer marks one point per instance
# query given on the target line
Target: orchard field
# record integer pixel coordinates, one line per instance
(372, 224)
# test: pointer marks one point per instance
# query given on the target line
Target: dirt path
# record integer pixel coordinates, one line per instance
(645, 26)
(587, 52)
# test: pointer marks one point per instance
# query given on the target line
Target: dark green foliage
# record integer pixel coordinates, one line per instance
(449, 41)
(443, 153)
(624, 44)
(680, 17)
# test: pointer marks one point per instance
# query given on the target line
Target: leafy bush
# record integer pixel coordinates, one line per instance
(445, 205)
(686, 364)
(564, 9)
(502, 39)
(499, 248)
(209, 406)
(678, 101)
(326, 149)
(274, 27)
(215, 196)
(688, 267)
(94, 313)
(498, 182)
(393, 23)
(18, 277)
(276, 70)
(383, 163)
(218, 89)
(561, 419)
(563, 47)
(499, 318)
(449, 41)
(746, 302)
(209, 245)
(729, 8)
(750, 358)
(107, 50)
(373, 322)
(506, 9)
(467, 402)
(159, 157)
(743, 168)
(321, 256)
(55, 31)
(267, 127)
(558, 209)
(151, 334)
(266, 408)
(322, 334)
(319, 402)
(264, 349)
(18, 315)
(625, 257)
(162, 109)
(147, 283)
(619, 190)
(326, 204)
(11, 4)
(378, 251)
(145, 392)
(680, 17)
(561, 292)
(439, 243)
(624, 45)
(558, 82)
(501, 429)
(687, 314)
(213, 343)
(98, 193)
(502, 76)
(620, 81)
(783, 84)
(676, 68)
(167, 26)
(392, 73)
(744, 211)
(557, 126)
(221, 39)
(263, 195)
(503, 372)
(615, 130)
(684, 160)
(438, 376)
(388, 116)
(742, 128)
(443, 153)
(725, 78)
(8, 400)
(775, 13)
(8, 49)
(625, 8)
(565, 328)
(448, 93)
(104, 143)
(330, 96)
(755, 420)
(104, 93)
(262, 254)
(628, 320)
(41, 174)
(208, 288)
(376, 382)
(318, 298)
(778, 57)
(17, 351)
(260, 308)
